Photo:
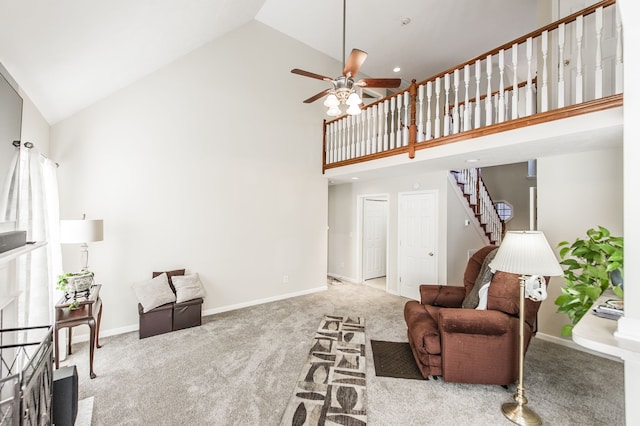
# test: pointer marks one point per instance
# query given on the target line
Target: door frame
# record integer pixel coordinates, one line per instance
(360, 235)
(436, 206)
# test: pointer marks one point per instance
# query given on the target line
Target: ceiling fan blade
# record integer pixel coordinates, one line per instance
(355, 61)
(316, 97)
(310, 74)
(379, 82)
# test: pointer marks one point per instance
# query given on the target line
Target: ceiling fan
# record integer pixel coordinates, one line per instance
(343, 88)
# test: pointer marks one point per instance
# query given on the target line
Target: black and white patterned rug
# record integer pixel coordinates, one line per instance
(331, 388)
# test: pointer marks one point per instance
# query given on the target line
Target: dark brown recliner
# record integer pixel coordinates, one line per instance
(469, 345)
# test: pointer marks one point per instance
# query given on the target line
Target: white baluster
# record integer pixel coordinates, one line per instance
(437, 119)
(619, 66)
(456, 86)
(544, 95)
(488, 105)
(382, 116)
(598, 76)
(405, 130)
(561, 32)
(349, 121)
(501, 92)
(327, 147)
(392, 130)
(420, 137)
(514, 95)
(579, 34)
(385, 144)
(367, 149)
(334, 141)
(428, 132)
(467, 117)
(359, 138)
(529, 92)
(446, 127)
(343, 148)
(331, 147)
(374, 127)
(399, 122)
(477, 120)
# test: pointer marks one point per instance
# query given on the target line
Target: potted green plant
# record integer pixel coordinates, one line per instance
(590, 264)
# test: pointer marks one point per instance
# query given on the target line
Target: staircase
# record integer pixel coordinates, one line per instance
(470, 183)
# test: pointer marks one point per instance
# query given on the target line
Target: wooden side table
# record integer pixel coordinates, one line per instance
(88, 310)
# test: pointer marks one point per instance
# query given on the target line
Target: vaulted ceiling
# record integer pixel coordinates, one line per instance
(68, 54)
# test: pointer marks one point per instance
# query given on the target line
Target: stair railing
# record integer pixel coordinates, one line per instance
(477, 195)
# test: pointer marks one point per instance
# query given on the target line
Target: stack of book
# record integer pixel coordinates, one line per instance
(611, 308)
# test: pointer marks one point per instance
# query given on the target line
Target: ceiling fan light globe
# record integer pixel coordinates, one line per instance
(334, 111)
(331, 101)
(354, 99)
(354, 110)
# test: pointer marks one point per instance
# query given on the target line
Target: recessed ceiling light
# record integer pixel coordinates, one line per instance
(396, 69)
(472, 160)
(355, 178)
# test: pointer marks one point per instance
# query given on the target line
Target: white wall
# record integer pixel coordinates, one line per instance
(576, 192)
(343, 231)
(211, 163)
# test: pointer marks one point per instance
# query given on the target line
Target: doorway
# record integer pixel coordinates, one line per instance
(374, 218)
(417, 241)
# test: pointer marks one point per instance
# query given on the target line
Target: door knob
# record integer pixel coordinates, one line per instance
(430, 253)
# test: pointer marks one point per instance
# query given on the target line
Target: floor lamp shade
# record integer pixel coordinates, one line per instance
(526, 253)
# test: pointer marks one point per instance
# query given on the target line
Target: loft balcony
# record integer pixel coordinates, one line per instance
(556, 89)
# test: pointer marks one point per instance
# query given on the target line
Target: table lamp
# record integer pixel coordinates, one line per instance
(524, 253)
(81, 232)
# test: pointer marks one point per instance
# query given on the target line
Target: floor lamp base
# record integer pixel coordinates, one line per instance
(520, 414)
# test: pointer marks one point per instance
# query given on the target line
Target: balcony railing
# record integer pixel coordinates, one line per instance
(570, 67)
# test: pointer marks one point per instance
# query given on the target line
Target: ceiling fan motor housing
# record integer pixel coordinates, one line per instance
(343, 87)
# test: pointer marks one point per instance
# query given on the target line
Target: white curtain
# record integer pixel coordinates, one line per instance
(31, 200)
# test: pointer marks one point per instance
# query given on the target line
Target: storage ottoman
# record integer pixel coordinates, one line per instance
(187, 314)
(157, 321)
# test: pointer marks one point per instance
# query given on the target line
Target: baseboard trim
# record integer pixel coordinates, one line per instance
(573, 345)
(343, 278)
(261, 301)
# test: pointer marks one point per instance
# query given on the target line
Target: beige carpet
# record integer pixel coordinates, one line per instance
(241, 368)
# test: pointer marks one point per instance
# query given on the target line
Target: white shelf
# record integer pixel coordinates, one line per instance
(10, 255)
(597, 333)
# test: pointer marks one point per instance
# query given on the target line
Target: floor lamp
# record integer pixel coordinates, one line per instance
(81, 232)
(524, 253)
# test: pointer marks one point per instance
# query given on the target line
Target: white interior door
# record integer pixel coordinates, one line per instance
(417, 239)
(374, 238)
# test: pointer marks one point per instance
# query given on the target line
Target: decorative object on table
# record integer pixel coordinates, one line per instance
(525, 253)
(331, 388)
(81, 232)
(594, 264)
(75, 284)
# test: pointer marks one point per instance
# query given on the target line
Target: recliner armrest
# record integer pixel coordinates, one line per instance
(442, 295)
(472, 321)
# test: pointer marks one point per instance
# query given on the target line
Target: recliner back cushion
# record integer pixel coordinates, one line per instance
(473, 267)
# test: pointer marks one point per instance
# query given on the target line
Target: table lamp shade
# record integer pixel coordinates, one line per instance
(80, 231)
(526, 253)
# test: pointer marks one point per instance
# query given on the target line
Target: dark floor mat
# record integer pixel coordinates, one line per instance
(394, 359)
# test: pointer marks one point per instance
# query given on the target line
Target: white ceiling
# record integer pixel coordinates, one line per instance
(67, 54)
